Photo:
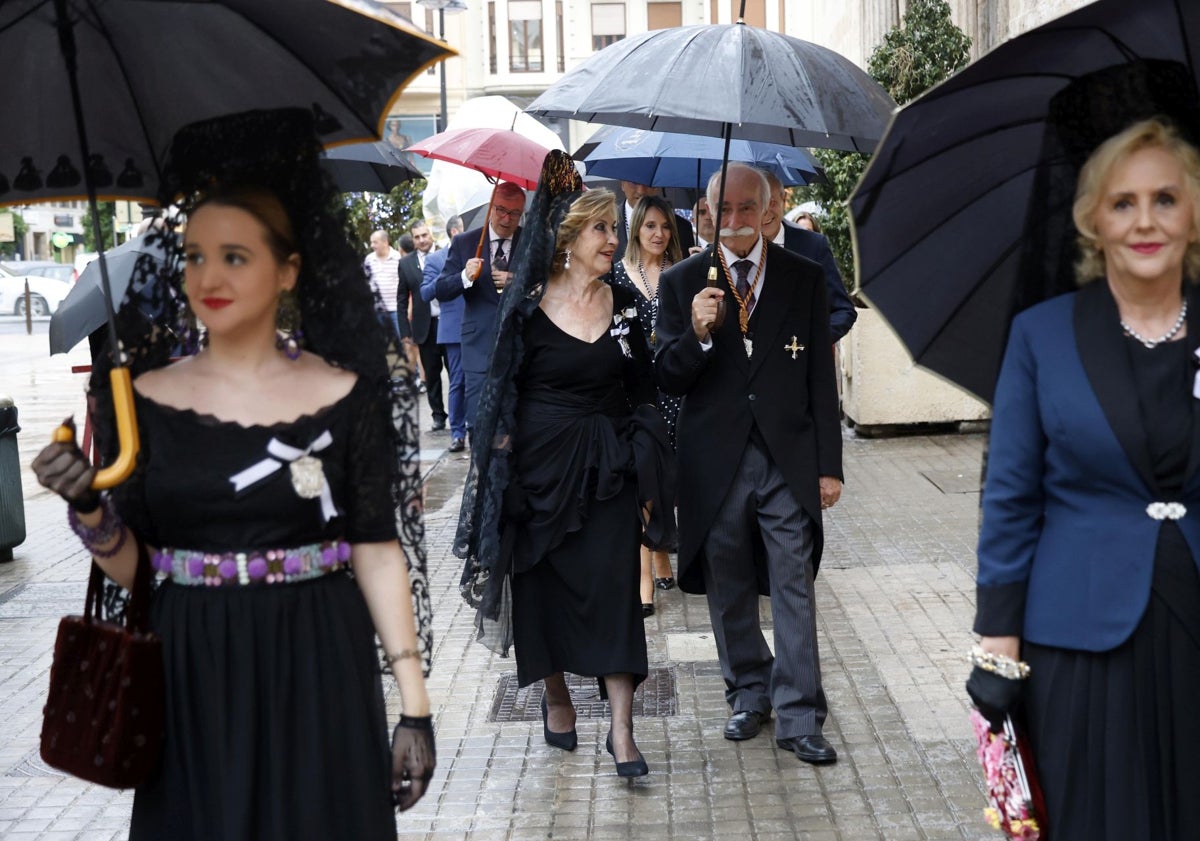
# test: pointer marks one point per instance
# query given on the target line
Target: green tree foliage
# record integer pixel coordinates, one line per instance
(9, 249)
(394, 212)
(925, 49)
(107, 211)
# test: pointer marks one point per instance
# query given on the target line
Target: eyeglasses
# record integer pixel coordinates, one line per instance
(506, 214)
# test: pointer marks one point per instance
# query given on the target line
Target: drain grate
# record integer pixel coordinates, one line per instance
(33, 766)
(655, 698)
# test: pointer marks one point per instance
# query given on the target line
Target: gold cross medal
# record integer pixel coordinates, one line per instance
(307, 477)
(794, 347)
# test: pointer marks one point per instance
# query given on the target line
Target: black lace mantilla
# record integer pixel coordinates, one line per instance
(278, 151)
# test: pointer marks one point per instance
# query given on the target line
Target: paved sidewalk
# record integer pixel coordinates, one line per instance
(895, 596)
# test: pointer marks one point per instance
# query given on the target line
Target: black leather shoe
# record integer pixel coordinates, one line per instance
(562, 741)
(664, 583)
(632, 768)
(457, 445)
(744, 725)
(438, 426)
(814, 750)
(647, 610)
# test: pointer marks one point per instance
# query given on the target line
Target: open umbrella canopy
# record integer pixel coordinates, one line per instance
(963, 216)
(146, 68)
(376, 167)
(498, 153)
(665, 159)
(701, 79)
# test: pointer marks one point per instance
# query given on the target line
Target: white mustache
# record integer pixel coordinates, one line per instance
(743, 231)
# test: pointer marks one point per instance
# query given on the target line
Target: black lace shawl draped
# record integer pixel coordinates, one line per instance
(484, 580)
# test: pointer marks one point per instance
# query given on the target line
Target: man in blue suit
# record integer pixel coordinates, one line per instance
(479, 282)
(449, 336)
(815, 247)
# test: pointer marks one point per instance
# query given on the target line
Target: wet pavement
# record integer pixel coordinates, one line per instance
(895, 599)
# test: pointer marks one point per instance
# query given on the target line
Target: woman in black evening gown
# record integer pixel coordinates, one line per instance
(578, 467)
(653, 248)
(266, 490)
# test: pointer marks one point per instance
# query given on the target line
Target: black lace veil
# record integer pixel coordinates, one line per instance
(478, 541)
(277, 151)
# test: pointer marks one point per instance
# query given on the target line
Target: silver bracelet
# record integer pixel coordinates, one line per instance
(998, 664)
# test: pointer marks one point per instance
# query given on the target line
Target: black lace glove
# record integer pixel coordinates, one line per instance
(63, 468)
(994, 696)
(414, 756)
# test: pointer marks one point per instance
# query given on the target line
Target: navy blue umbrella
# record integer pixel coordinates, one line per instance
(665, 159)
(369, 167)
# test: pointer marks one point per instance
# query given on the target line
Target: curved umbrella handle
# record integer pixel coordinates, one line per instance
(127, 433)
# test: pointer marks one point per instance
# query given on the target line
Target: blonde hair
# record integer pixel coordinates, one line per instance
(633, 249)
(584, 209)
(1155, 133)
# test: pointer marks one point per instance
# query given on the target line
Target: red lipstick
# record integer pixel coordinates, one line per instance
(216, 303)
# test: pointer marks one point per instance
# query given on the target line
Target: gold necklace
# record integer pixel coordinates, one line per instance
(743, 311)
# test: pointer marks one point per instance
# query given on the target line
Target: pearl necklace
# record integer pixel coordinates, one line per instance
(1165, 337)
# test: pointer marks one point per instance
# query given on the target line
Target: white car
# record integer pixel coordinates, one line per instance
(45, 293)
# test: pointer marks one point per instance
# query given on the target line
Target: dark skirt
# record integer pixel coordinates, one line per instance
(578, 610)
(275, 718)
(1116, 734)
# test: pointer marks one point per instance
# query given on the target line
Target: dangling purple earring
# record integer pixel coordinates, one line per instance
(288, 335)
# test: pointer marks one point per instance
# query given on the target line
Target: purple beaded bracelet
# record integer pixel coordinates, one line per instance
(109, 527)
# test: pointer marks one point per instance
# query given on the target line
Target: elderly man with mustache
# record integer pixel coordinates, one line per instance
(760, 456)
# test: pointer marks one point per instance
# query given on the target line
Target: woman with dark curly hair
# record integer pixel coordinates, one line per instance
(267, 494)
(577, 465)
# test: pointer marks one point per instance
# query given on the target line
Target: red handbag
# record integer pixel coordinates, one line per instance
(103, 719)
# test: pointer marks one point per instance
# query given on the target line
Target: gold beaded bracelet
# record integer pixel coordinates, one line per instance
(999, 664)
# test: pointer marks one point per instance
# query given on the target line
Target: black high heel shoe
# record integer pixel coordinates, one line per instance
(562, 741)
(664, 583)
(632, 768)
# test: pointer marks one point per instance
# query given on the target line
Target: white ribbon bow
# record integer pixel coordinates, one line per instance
(285, 454)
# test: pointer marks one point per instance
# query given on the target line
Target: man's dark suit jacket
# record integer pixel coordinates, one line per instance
(814, 246)
(792, 402)
(410, 290)
(481, 301)
(686, 236)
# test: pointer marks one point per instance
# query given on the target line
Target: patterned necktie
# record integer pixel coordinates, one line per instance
(743, 283)
(500, 261)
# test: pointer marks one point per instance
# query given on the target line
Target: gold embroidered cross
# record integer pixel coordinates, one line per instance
(793, 347)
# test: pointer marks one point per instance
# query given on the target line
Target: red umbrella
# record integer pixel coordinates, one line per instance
(499, 153)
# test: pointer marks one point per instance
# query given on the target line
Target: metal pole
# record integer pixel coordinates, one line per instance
(443, 117)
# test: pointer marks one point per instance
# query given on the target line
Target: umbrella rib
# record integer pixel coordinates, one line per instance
(98, 24)
(933, 228)
(31, 10)
(691, 39)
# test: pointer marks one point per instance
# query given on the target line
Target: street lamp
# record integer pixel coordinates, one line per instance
(443, 6)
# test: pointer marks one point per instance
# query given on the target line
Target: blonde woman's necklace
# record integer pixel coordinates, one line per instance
(1165, 337)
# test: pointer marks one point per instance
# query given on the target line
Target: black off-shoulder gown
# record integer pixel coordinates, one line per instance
(275, 720)
(588, 434)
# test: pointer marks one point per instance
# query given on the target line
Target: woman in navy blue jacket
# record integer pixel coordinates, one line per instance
(1091, 509)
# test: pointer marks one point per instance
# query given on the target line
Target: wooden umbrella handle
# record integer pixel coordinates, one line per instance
(484, 232)
(127, 433)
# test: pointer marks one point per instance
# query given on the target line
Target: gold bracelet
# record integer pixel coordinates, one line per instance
(392, 659)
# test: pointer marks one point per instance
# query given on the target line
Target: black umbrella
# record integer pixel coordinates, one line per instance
(83, 310)
(137, 71)
(369, 167)
(727, 80)
(963, 216)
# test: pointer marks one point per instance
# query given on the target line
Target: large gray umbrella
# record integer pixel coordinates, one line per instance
(369, 167)
(760, 85)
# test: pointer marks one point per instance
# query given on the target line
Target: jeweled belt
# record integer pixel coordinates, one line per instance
(270, 566)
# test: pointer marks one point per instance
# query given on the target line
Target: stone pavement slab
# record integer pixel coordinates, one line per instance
(895, 598)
